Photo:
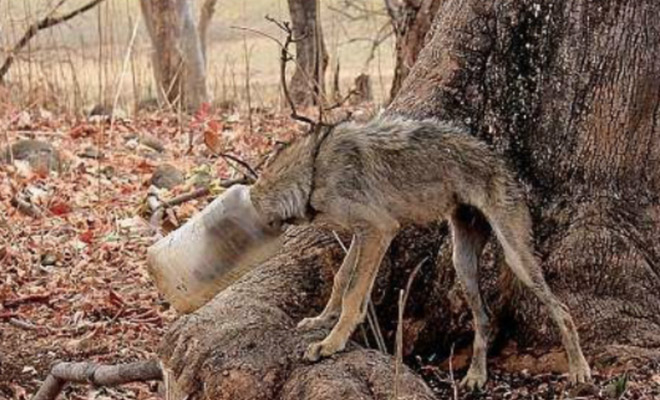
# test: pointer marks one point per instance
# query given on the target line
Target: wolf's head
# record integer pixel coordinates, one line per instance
(281, 194)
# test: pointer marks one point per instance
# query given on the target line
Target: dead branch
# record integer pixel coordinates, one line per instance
(45, 23)
(403, 299)
(244, 164)
(343, 100)
(27, 208)
(451, 373)
(38, 298)
(285, 57)
(96, 374)
(28, 326)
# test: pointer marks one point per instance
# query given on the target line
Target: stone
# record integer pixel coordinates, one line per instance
(92, 152)
(166, 176)
(41, 155)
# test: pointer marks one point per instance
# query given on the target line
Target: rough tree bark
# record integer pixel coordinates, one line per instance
(178, 60)
(244, 345)
(411, 21)
(569, 93)
(307, 84)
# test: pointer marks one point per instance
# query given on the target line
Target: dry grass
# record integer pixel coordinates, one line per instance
(74, 66)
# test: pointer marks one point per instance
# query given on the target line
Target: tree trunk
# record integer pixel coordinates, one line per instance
(411, 22)
(205, 17)
(178, 60)
(569, 93)
(307, 85)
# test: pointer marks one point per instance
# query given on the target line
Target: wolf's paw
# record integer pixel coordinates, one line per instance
(474, 381)
(318, 350)
(308, 324)
(579, 372)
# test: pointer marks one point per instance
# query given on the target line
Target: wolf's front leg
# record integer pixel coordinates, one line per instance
(330, 313)
(371, 246)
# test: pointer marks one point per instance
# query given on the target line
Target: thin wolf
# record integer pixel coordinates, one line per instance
(374, 178)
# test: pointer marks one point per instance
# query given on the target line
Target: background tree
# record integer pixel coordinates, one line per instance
(569, 92)
(205, 17)
(48, 21)
(307, 84)
(178, 59)
(411, 21)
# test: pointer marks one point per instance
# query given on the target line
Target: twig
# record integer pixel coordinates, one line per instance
(372, 320)
(285, 57)
(24, 324)
(237, 160)
(38, 298)
(399, 345)
(411, 278)
(29, 209)
(451, 372)
(343, 100)
(96, 374)
(403, 299)
(277, 148)
(44, 23)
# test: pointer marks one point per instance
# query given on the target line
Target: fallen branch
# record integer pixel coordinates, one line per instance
(28, 326)
(33, 298)
(27, 208)
(45, 23)
(96, 374)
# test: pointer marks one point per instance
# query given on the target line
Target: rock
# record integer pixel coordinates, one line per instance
(145, 139)
(152, 142)
(48, 259)
(132, 144)
(167, 176)
(40, 155)
(108, 171)
(92, 152)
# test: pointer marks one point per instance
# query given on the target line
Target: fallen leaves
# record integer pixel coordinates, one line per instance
(77, 274)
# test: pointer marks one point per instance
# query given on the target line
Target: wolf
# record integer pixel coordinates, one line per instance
(376, 177)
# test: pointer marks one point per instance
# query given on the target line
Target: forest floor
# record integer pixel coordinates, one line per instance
(74, 284)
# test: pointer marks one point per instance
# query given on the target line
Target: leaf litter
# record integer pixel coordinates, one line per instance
(74, 284)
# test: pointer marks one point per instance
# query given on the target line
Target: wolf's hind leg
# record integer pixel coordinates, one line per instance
(470, 233)
(332, 309)
(513, 227)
